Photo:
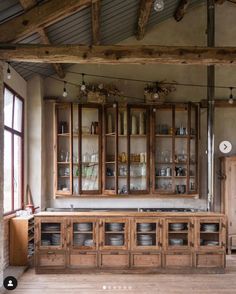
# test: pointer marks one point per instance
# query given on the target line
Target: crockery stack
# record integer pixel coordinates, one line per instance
(117, 240)
(115, 227)
(145, 240)
(144, 227)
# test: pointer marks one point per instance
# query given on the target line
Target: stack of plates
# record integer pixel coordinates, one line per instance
(56, 239)
(209, 228)
(144, 227)
(45, 242)
(117, 240)
(211, 243)
(88, 242)
(83, 227)
(51, 227)
(30, 249)
(177, 227)
(176, 242)
(79, 239)
(145, 240)
(115, 227)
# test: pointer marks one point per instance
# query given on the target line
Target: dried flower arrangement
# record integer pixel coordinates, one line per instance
(156, 92)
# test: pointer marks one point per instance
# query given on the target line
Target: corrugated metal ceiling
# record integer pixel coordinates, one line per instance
(118, 22)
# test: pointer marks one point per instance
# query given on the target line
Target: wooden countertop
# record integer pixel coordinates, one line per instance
(129, 214)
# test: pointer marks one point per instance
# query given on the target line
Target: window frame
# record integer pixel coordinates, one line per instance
(21, 135)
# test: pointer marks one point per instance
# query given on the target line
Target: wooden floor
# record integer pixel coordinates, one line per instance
(30, 283)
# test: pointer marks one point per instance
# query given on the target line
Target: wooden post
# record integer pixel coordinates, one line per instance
(1, 170)
(211, 105)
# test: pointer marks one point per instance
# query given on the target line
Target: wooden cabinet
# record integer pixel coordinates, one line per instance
(136, 149)
(21, 241)
(151, 242)
(228, 198)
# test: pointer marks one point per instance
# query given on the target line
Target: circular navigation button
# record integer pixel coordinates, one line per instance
(225, 147)
(10, 283)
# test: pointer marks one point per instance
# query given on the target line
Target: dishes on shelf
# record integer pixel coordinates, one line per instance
(83, 227)
(88, 243)
(56, 239)
(211, 243)
(115, 227)
(177, 226)
(45, 242)
(145, 240)
(117, 240)
(50, 227)
(209, 228)
(144, 227)
(79, 239)
(176, 242)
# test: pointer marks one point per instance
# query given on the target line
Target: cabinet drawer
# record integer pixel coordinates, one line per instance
(146, 260)
(51, 259)
(210, 260)
(114, 260)
(83, 260)
(178, 260)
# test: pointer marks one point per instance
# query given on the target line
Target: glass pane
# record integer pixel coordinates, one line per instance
(75, 149)
(7, 172)
(50, 234)
(181, 122)
(8, 107)
(90, 149)
(83, 234)
(209, 234)
(18, 113)
(17, 171)
(114, 234)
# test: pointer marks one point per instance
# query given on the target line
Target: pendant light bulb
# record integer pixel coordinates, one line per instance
(83, 86)
(65, 94)
(231, 98)
(159, 5)
(8, 72)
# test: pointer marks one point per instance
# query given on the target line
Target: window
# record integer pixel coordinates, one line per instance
(13, 151)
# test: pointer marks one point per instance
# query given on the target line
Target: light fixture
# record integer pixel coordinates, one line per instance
(83, 86)
(64, 90)
(159, 5)
(8, 71)
(231, 98)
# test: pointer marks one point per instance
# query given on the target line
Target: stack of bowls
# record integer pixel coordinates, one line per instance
(45, 242)
(145, 240)
(176, 242)
(144, 227)
(209, 228)
(51, 227)
(56, 239)
(115, 227)
(211, 243)
(117, 240)
(177, 227)
(79, 239)
(88, 242)
(83, 227)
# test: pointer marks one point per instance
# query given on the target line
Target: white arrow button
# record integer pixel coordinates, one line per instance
(225, 147)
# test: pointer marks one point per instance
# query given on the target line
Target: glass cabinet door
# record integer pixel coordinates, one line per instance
(138, 159)
(76, 150)
(114, 234)
(110, 149)
(162, 146)
(83, 234)
(90, 151)
(51, 234)
(63, 149)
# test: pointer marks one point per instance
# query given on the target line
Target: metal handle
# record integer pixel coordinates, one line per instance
(115, 253)
(159, 244)
(51, 252)
(222, 244)
(160, 226)
(191, 225)
(191, 244)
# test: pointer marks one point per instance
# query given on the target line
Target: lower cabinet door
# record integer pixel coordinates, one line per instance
(83, 260)
(178, 259)
(142, 259)
(210, 259)
(51, 259)
(114, 260)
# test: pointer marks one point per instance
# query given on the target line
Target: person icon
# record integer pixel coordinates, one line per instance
(10, 284)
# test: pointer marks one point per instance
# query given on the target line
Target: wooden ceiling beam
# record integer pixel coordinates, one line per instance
(96, 11)
(181, 10)
(138, 54)
(144, 14)
(39, 16)
(57, 66)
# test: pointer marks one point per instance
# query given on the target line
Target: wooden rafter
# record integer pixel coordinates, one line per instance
(57, 66)
(96, 11)
(144, 13)
(39, 16)
(116, 54)
(181, 10)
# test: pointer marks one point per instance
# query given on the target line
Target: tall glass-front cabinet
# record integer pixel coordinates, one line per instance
(108, 150)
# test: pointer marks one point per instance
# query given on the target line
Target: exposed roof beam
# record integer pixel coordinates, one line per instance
(181, 9)
(144, 13)
(28, 4)
(96, 11)
(139, 54)
(39, 16)
(57, 66)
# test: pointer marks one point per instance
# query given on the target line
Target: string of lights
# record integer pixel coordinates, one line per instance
(82, 86)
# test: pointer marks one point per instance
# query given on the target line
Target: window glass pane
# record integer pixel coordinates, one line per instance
(8, 105)
(7, 172)
(17, 171)
(18, 114)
